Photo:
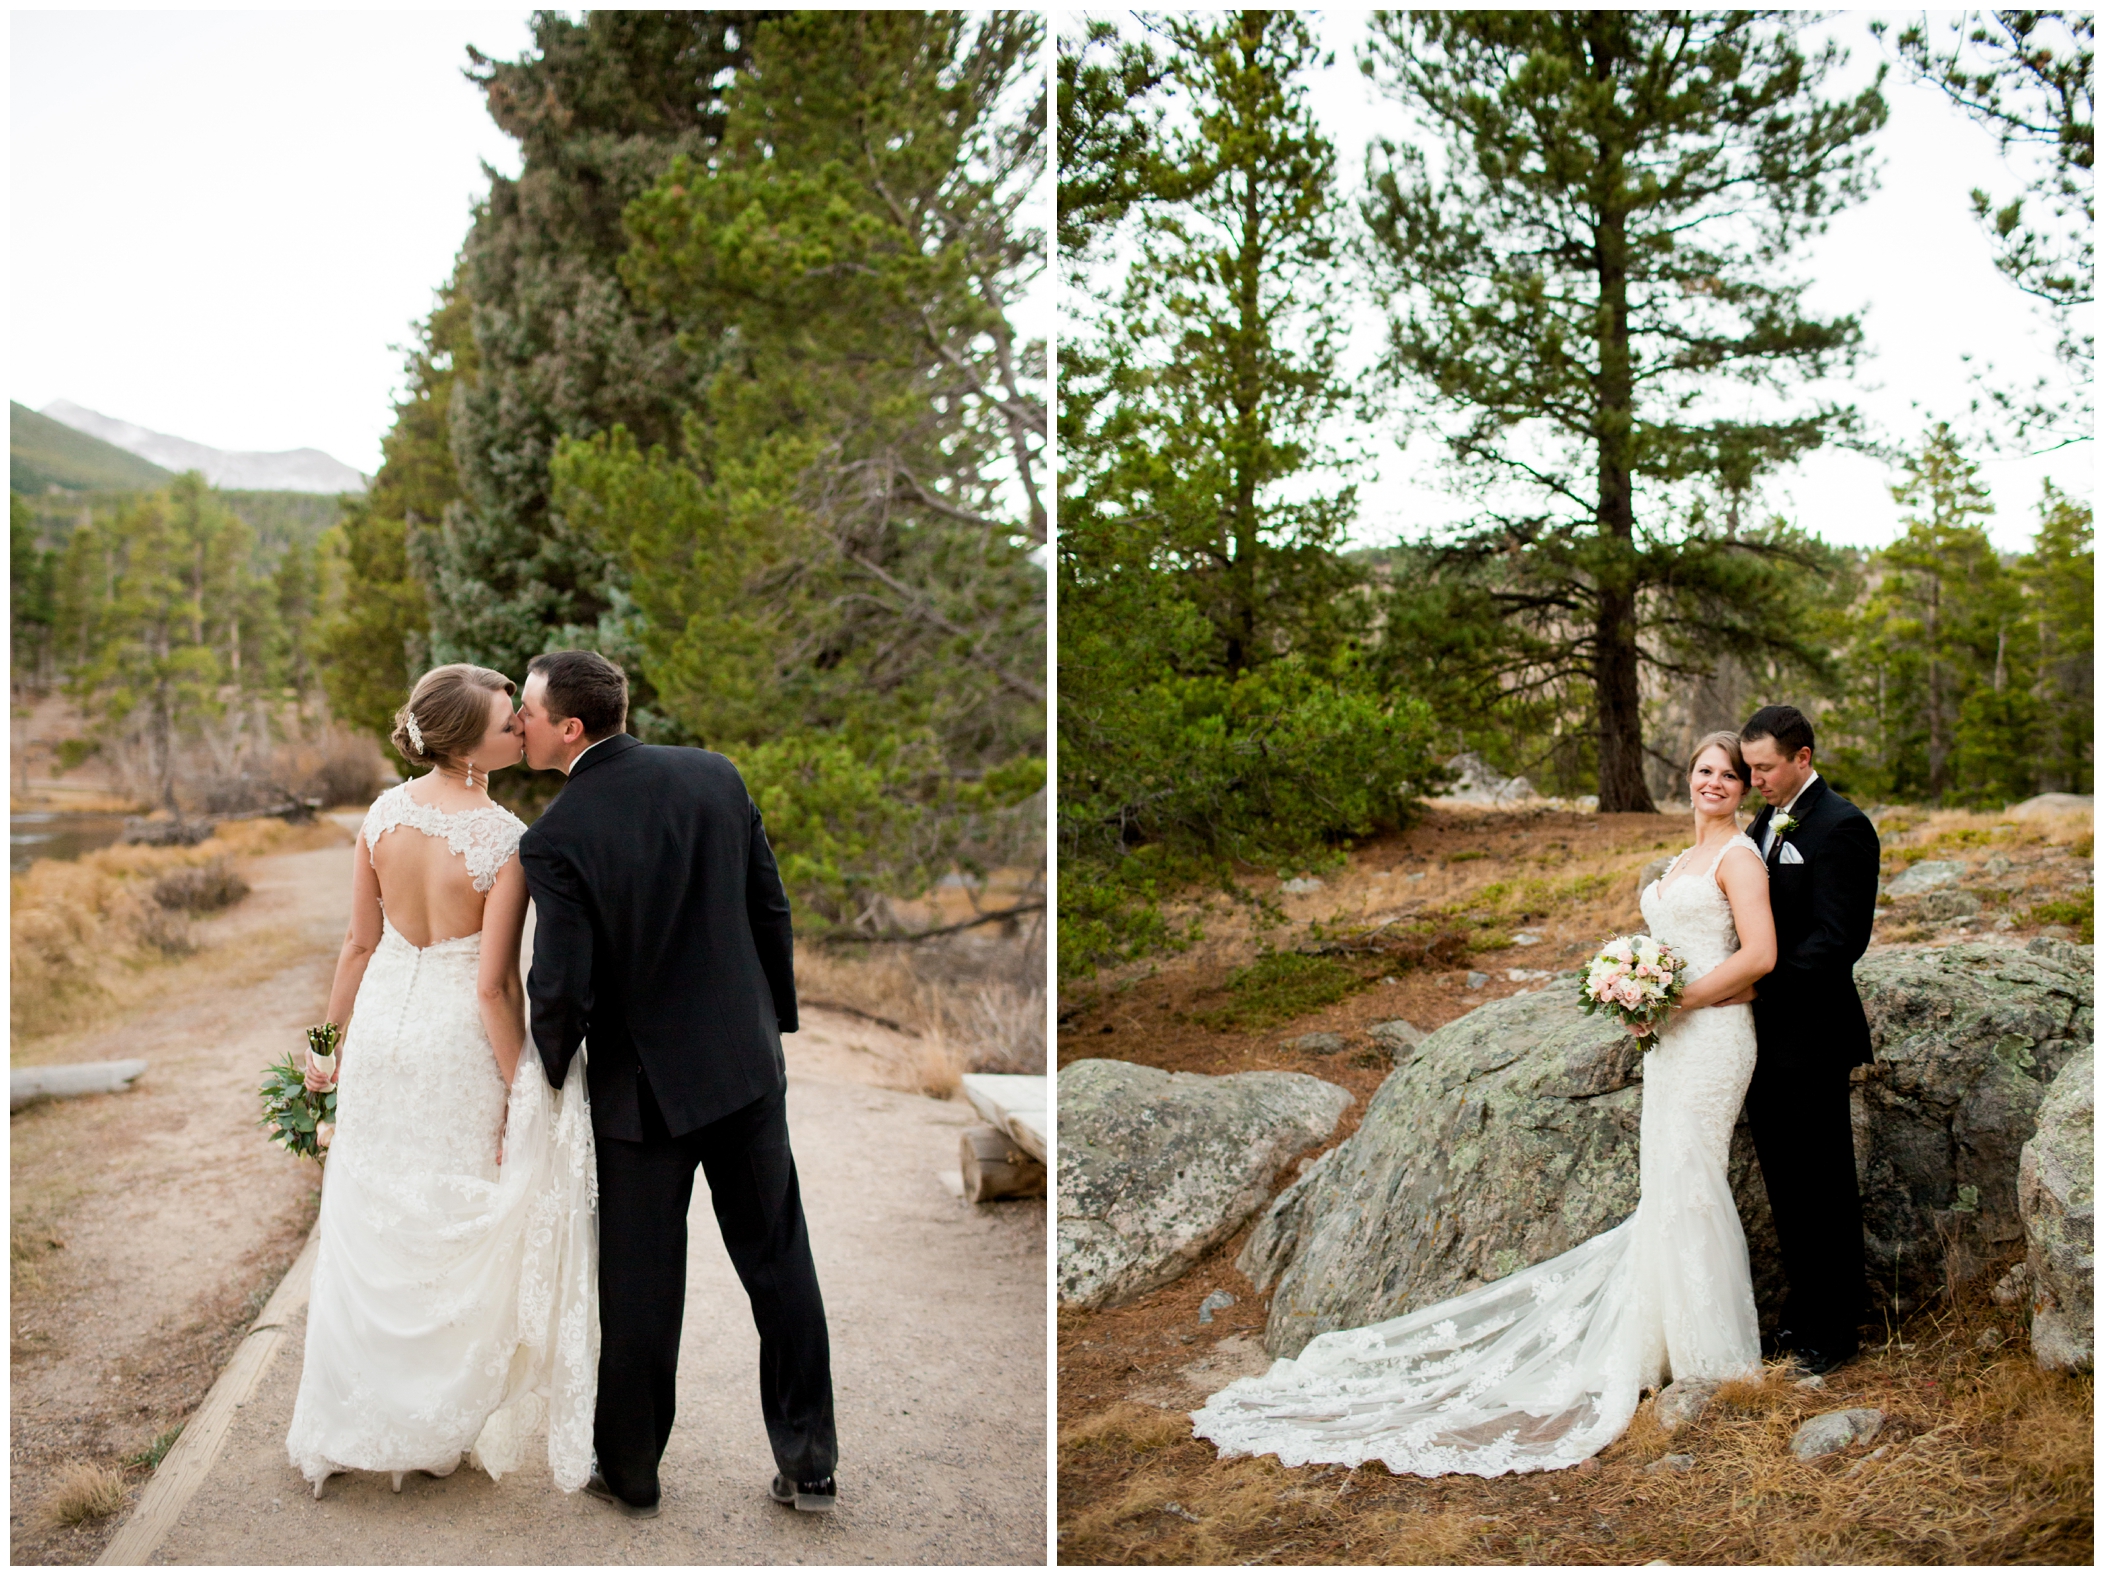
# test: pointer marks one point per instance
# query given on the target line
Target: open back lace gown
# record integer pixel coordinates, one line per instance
(1544, 1368)
(453, 1309)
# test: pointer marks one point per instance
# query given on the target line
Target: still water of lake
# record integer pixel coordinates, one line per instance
(57, 835)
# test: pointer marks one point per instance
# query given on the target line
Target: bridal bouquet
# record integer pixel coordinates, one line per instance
(1635, 979)
(301, 1120)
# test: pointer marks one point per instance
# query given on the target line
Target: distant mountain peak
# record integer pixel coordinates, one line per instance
(289, 470)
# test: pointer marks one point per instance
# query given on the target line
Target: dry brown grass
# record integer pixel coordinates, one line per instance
(1983, 1460)
(82, 927)
(84, 1492)
(974, 1007)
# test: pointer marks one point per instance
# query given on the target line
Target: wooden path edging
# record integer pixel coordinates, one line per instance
(189, 1461)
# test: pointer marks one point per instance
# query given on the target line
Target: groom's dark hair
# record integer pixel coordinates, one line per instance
(584, 685)
(1786, 725)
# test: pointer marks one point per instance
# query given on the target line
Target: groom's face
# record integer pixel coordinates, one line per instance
(549, 743)
(1776, 775)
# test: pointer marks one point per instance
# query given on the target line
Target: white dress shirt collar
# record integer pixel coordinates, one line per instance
(581, 754)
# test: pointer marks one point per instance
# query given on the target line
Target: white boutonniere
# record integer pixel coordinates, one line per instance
(1783, 823)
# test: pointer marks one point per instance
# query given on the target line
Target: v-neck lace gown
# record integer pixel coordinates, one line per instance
(454, 1306)
(1544, 1368)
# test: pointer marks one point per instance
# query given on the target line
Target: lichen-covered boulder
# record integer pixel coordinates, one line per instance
(1157, 1167)
(2056, 1196)
(1509, 1136)
(1967, 1038)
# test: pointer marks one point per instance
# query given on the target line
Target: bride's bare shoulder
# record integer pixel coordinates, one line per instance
(1741, 857)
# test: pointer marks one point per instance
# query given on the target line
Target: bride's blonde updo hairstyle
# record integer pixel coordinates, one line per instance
(1728, 742)
(447, 714)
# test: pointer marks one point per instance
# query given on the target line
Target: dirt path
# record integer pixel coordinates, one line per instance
(149, 1227)
(177, 1220)
(938, 1351)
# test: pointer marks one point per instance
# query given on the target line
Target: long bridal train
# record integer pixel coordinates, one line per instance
(1544, 1368)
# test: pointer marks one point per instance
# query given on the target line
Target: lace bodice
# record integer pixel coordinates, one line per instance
(1691, 914)
(486, 836)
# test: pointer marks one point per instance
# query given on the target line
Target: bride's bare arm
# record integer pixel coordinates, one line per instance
(358, 944)
(1745, 882)
(497, 988)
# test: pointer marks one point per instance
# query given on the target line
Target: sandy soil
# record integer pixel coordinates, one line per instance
(173, 1220)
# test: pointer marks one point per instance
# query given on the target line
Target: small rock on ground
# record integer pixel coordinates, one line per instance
(1214, 1302)
(1683, 1401)
(1397, 1035)
(1926, 876)
(1832, 1431)
(1679, 1461)
(1318, 1044)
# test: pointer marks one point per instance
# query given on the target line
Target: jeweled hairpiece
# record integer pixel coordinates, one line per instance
(416, 734)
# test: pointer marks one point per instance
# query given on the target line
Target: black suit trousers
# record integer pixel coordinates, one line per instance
(1801, 1132)
(644, 1192)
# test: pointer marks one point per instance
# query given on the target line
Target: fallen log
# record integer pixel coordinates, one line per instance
(26, 1084)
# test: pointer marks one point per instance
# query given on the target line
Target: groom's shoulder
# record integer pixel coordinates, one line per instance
(1841, 811)
(654, 768)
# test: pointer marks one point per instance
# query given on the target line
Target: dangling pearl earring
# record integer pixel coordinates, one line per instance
(471, 774)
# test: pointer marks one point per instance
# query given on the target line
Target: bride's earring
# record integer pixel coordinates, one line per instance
(471, 774)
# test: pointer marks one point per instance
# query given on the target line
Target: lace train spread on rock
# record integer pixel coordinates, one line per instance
(1544, 1368)
(454, 1308)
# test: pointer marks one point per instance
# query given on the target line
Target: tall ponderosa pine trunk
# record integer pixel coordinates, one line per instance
(1605, 248)
(1617, 701)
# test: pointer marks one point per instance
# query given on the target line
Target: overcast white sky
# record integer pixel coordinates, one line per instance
(222, 221)
(1911, 258)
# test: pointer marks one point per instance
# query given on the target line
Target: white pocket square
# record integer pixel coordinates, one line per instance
(1789, 856)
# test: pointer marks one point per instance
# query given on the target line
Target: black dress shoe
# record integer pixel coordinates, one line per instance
(1781, 1343)
(597, 1488)
(804, 1494)
(1822, 1359)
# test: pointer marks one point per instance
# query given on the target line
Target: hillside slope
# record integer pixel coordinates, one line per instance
(43, 454)
(288, 470)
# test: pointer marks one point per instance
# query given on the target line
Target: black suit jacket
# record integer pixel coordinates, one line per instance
(1807, 1011)
(661, 935)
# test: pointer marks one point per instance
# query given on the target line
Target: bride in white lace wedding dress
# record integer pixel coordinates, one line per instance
(1545, 1367)
(454, 1305)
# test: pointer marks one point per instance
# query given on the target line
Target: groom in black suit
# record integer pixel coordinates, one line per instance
(662, 937)
(1822, 855)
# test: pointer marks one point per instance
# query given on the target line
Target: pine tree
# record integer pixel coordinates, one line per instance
(372, 632)
(160, 635)
(600, 108)
(2055, 639)
(1605, 248)
(1212, 696)
(1940, 710)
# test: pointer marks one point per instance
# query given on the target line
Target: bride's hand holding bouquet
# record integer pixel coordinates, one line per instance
(1636, 979)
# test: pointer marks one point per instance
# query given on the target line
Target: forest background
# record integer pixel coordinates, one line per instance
(1584, 232)
(726, 383)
